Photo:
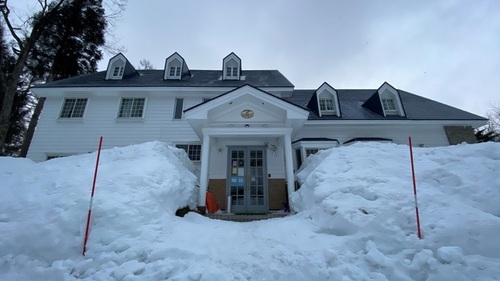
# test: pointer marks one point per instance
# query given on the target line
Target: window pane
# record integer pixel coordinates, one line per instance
(137, 108)
(68, 108)
(172, 71)
(326, 105)
(125, 108)
(73, 108)
(131, 107)
(388, 104)
(79, 108)
(178, 108)
(310, 151)
(298, 155)
(195, 152)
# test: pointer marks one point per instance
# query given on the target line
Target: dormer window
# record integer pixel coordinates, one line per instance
(389, 105)
(175, 71)
(175, 67)
(327, 101)
(118, 67)
(390, 101)
(326, 105)
(231, 71)
(231, 67)
(118, 71)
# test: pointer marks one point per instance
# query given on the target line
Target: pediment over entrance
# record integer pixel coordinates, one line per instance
(246, 107)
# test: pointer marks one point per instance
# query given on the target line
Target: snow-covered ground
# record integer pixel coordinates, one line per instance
(355, 219)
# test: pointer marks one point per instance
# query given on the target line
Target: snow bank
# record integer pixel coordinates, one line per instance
(43, 206)
(356, 219)
(365, 191)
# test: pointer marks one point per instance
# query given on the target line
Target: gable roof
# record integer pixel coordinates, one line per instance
(154, 78)
(250, 86)
(351, 105)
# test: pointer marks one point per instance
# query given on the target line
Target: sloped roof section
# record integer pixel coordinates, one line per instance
(154, 78)
(352, 101)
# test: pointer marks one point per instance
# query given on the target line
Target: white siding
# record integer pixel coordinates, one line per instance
(57, 136)
(428, 135)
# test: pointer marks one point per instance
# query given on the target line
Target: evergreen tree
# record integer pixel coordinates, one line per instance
(65, 40)
(70, 45)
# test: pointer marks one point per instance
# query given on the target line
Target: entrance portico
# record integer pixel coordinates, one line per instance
(250, 123)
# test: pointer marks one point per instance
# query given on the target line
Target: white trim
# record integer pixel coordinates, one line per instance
(290, 176)
(326, 89)
(72, 118)
(205, 158)
(168, 61)
(130, 117)
(119, 61)
(225, 61)
(392, 122)
(387, 89)
(235, 132)
(62, 91)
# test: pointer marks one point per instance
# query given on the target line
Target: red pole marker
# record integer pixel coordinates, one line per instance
(414, 188)
(92, 197)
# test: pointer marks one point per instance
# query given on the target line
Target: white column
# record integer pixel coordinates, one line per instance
(290, 178)
(205, 158)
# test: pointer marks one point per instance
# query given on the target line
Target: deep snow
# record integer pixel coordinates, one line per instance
(355, 220)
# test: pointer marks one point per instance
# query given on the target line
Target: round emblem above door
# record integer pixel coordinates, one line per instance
(246, 113)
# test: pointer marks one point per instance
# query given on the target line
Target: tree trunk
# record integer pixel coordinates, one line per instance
(31, 129)
(12, 82)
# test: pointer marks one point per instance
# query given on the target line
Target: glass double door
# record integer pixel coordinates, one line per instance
(247, 179)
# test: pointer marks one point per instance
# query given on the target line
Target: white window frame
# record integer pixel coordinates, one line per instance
(231, 66)
(174, 71)
(232, 71)
(328, 108)
(193, 151)
(312, 150)
(390, 101)
(389, 105)
(118, 71)
(327, 101)
(305, 146)
(72, 110)
(132, 108)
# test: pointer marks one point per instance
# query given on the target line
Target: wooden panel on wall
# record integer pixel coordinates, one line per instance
(277, 194)
(218, 188)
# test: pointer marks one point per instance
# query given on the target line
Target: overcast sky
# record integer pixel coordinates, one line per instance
(448, 51)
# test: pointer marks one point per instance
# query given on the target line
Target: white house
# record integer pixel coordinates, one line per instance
(248, 130)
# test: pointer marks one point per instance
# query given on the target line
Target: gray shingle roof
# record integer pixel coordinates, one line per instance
(154, 78)
(351, 101)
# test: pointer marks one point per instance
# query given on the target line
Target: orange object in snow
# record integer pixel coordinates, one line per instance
(211, 204)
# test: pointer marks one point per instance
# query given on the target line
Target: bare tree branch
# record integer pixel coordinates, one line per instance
(5, 13)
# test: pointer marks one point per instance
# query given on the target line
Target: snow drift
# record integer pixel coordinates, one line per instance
(355, 220)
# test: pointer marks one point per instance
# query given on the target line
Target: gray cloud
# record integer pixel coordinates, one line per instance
(443, 50)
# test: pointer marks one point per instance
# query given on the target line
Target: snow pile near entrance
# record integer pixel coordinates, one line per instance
(356, 219)
(43, 207)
